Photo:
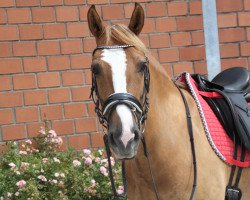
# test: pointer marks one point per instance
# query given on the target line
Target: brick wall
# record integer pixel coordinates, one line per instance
(45, 54)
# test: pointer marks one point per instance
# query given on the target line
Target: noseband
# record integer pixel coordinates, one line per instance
(139, 110)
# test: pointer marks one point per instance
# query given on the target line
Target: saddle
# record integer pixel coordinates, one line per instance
(228, 95)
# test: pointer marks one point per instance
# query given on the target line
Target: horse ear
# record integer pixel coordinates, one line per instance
(94, 22)
(137, 20)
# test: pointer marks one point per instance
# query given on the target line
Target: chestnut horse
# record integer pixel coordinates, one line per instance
(121, 70)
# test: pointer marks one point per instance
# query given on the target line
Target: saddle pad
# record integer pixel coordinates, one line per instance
(218, 139)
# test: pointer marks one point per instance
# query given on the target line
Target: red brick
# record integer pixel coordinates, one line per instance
(247, 4)
(27, 114)
(10, 66)
(85, 125)
(29, 32)
(168, 55)
(24, 48)
(27, 3)
(197, 37)
(79, 141)
(13, 132)
(120, 1)
(192, 53)
(177, 8)
(229, 5)
(75, 2)
(229, 50)
(195, 7)
(59, 95)
(91, 110)
(77, 30)
(35, 97)
(83, 13)
(248, 34)
(8, 33)
(97, 140)
(149, 26)
(244, 19)
(227, 20)
(7, 3)
(66, 14)
(6, 116)
(33, 129)
(235, 62)
(35, 64)
(200, 67)
(156, 9)
(48, 47)
(72, 78)
(26, 81)
(54, 31)
(80, 61)
(5, 49)
(128, 9)
(51, 112)
(3, 16)
(112, 12)
(183, 66)
(144, 39)
(245, 49)
(75, 110)
(48, 80)
(51, 3)
(89, 45)
(19, 15)
(97, 1)
(63, 127)
(80, 94)
(159, 41)
(165, 24)
(43, 14)
(189, 23)
(231, 35)
(180, 39)
(88, 77)
(71, 46)
(58, 63)
(6, 83)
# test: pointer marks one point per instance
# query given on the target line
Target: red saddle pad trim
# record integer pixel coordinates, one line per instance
(218, 139)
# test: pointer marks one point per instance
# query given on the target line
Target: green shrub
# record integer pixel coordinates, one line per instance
(38, 170)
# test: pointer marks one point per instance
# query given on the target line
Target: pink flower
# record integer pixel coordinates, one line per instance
(56, 160)
(76, 163)
(24, 165)
(97, 159)
(12, 165)
(120, 190)
(42, 131)
(88, 161)
(104, 171)
(28, 142)
(21, 183)
(23, 152)
(45, 160)
(52, 133)
(86, 151)
(93, 183)
(42, 178)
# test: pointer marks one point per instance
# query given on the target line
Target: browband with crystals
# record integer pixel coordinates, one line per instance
(113, 47)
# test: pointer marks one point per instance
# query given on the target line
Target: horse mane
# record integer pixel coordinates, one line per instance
(122, 35)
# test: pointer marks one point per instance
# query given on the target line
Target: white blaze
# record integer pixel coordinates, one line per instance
(116, 58)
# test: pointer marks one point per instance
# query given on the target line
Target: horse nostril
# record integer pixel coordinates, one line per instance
(137, 134)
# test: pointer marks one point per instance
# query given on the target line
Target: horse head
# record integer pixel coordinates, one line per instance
(120, 81)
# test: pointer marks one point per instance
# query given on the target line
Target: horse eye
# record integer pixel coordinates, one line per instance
(142, 66)
(95, 68)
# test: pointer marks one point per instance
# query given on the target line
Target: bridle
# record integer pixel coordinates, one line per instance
(139, 110)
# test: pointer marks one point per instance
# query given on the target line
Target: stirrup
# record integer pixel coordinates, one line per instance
(233, 193)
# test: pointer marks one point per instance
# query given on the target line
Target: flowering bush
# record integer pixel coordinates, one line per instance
(37, 170)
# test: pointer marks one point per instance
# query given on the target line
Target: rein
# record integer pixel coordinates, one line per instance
(140, 113)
